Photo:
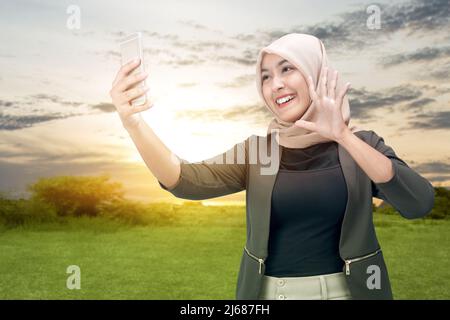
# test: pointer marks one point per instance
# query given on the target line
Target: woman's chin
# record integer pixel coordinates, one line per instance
(290, 117)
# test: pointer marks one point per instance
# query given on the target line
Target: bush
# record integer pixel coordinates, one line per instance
(441, 208)
(134, 212)
(15, 213)
(386, 209)
(75, 195)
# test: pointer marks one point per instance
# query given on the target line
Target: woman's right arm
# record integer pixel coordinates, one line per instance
(195, 181)
(164, 165)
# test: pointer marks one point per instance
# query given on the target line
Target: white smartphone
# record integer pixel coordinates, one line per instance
(131, 48)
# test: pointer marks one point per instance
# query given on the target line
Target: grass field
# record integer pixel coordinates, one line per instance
(196, 258)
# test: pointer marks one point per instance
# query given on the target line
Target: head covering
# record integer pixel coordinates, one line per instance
(307, 53)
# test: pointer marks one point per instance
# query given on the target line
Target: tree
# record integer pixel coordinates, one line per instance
(77, 195)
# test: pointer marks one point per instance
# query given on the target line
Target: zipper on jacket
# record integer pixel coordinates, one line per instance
(261, 261)
(348, 261)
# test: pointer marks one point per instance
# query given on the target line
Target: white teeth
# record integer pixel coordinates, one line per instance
(285, 99)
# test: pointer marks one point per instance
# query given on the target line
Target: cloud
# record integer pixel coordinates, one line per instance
(192, 24)
(246, 58)
(256, 114)
(238, 82)
(5, 103)
(434, 167)
(436, 171)
(30, 114)
(191, 60)
(430, 121)
(418, 104)
(53, 98)
(35, 155)
(438, 72)
(157, 35)
(119, 35)
(187, 84)
(349, 30)
(420, 55)
(203, 45)
(346, 31)
(364, 102)
(104, 107)
(14, 122)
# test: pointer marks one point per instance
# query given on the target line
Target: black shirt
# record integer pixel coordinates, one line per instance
(308, 204)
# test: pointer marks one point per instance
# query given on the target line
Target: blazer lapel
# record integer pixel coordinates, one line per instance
(349, 169)
(263, 203)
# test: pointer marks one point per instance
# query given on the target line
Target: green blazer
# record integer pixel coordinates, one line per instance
(365, 270)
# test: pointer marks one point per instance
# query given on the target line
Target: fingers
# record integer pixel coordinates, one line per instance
(132, 94)
(128, 111)
(342, 93)
(125, 70)
(147, 105)
(312, 92)
(332, 86)
(307, 125)
(130, 80)
(323, 84)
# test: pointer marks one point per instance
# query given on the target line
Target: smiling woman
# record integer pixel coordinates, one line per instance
(310, 231)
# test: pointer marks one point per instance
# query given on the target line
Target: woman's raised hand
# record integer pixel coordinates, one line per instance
(122, 92)
(329, 123)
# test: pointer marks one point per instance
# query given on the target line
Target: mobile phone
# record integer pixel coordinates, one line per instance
(131, 48)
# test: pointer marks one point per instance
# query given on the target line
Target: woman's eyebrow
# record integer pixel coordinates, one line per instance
(279, 64)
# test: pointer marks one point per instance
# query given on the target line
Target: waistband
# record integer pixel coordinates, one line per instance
(326, 286)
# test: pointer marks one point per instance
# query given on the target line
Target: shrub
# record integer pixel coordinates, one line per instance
(386, 209)
(441, 208)
(76, 195)
(15, 213)
(134, 212)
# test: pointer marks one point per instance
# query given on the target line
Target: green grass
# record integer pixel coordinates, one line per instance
(197, 258)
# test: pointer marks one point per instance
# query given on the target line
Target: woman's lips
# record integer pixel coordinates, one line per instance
(286, 103)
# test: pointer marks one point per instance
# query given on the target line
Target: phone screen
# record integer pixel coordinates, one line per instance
(131, 48)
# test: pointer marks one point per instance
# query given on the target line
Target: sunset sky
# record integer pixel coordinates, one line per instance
(56, 116)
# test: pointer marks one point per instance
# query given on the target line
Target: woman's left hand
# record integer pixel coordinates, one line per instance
(329, 123)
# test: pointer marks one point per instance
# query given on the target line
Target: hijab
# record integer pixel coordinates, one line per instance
(307, 53)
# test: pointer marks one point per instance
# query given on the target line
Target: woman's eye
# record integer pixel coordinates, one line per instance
(284, 68)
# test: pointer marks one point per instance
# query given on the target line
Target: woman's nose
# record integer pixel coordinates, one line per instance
(277, 83)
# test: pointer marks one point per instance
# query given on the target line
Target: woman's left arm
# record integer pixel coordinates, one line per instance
(392, 179)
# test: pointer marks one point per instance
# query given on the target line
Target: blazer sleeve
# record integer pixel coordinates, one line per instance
(220, 175)
(407, 191)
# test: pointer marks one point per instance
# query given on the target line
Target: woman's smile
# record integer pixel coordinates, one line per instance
(284, 104)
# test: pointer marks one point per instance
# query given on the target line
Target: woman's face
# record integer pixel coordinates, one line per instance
(281, 79)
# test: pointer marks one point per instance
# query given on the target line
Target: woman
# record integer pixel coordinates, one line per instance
(310, 232)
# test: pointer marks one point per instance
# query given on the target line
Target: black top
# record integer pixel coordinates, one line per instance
(308, 204)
